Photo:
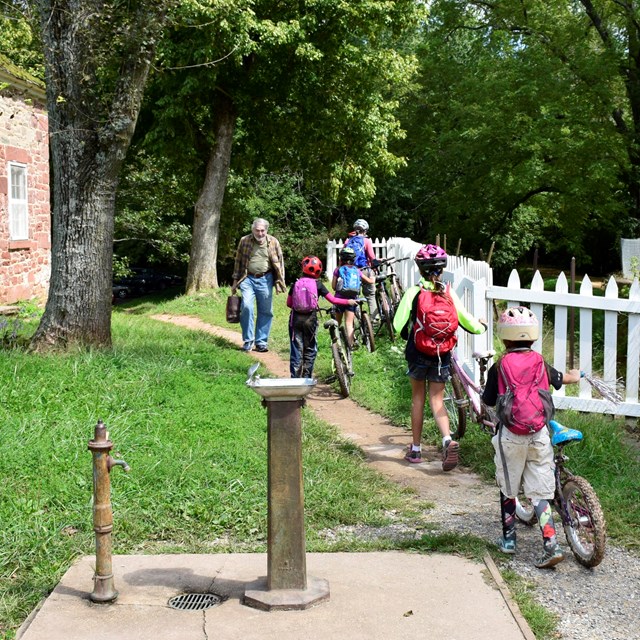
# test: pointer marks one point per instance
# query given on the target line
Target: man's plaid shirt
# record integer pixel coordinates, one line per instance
(243, 255)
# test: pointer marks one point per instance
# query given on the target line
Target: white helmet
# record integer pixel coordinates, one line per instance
(361, 224)
(518, 323)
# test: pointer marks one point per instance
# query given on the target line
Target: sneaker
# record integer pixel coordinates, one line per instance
(413, 456)
(450, 455)
(260, 348)
(506, 545)
(550, 557)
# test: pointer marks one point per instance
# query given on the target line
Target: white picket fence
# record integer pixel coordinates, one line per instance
(473, 282)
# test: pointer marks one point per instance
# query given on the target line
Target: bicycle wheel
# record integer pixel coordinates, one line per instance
(525, 511)
(586, 530)
(456, 403)
(341, 373)
(366, 329)
(396, 292)
(386, 314)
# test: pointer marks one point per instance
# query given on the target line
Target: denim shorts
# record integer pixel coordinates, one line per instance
(432, 372)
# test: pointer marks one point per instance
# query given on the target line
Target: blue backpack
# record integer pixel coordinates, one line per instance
(348, 282)
(357, 244)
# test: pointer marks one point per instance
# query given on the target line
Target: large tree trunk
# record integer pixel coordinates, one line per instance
(203, 270)
(95, 82)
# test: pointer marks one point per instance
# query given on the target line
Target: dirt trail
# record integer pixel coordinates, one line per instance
(592, 604)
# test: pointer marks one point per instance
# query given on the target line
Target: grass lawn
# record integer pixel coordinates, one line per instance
(178, 412)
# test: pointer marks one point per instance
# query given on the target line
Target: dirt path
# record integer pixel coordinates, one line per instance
(593, 604)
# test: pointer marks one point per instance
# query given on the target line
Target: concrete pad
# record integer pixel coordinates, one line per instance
(373, 596)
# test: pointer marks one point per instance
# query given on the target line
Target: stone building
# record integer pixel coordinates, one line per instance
(25, 220)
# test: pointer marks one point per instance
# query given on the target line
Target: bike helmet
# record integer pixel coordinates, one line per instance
(347, 254)
(431, 257)
(518, 323)
(312, 266)
(361, 225)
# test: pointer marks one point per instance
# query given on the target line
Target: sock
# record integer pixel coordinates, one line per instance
(508, 513)
(416, 447)
(445, 440)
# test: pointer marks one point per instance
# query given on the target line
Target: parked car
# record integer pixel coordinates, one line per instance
(145, 280)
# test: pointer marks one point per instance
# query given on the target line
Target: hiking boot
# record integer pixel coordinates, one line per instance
(413, 456)
(506, 545)
(450, 455)
(550, 557)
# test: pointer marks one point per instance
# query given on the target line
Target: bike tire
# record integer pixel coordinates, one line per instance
(368, 336)
(586, 529)
(348, 355)
(525, 511)
(386, 318)
(396, 293)
(456, 403)
(343, 375)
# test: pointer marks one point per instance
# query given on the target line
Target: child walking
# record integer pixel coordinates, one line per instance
(428, 317)
(347, 282)
(518, 385)
(303, 319)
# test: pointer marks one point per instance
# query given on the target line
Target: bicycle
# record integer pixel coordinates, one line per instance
(575, 501)
(463, 397)
(339, 351)
(395, 288)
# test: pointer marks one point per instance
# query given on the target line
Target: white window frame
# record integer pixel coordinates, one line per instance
(18, 202)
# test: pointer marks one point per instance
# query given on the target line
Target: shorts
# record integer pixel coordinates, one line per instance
(529, 464)
(432, 372)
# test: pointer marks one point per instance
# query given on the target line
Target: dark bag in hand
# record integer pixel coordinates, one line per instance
(233, 309)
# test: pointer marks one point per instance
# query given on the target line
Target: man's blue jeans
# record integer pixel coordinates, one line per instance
(258, 292)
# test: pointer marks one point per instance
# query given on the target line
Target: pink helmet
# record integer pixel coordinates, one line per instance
(518, 323)
(431, 257)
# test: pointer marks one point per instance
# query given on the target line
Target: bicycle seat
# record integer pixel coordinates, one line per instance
(483, 354)
(561, 434)
(330, 323)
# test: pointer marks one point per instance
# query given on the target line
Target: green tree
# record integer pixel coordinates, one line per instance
(303, 89)
(503, 130)
(97, 59)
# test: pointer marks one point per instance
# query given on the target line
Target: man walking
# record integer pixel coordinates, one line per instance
(259, 266)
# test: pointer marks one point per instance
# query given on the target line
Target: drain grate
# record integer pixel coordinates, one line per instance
(194, 601)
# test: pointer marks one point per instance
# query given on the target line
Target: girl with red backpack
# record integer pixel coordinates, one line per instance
(518, 385)
(428, 316)
(303, 319)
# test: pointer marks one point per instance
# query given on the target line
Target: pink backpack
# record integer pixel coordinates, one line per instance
(434, 330)
(524, 403)
(305, 295)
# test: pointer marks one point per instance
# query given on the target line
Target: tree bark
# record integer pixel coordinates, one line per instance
(203, 270)
(90, 128)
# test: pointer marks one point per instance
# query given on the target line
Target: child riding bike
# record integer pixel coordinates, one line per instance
(427, 317)
(518, 385)
(303, 319)
(347, 282)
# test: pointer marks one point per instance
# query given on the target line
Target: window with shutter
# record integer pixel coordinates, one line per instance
(18, 205)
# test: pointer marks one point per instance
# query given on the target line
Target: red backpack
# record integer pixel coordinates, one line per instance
(524, 403)
(436, 323)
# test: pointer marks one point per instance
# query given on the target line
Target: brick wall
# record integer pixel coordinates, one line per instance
(25, 265)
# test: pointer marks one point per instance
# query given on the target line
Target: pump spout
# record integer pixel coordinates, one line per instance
(117, 463)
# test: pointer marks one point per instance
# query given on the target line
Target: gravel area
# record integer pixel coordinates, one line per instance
(602, 603)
